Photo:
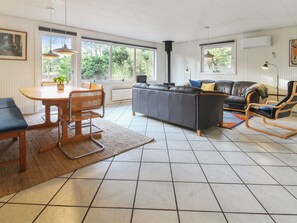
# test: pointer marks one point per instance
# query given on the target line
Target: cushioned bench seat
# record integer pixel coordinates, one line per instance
(11, 119)
(13, 125)
(7, 103)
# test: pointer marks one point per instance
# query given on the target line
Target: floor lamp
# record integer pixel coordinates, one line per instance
(265, 67)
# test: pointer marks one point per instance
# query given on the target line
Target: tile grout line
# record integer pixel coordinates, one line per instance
(99, 186)
(208, 183)
(246, 186)
(53, 197)
(90, 205)
(138, 175)
(171, 173)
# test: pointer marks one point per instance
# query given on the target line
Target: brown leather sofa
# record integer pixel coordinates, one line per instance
(239, 98)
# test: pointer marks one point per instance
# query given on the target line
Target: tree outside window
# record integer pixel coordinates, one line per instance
(126, 61)
(223, 60)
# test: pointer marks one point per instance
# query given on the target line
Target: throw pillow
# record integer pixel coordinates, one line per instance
(195, 83)
(208, 86)
(266, 108)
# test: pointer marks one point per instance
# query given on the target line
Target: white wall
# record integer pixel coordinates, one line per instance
(249, 61)
(18, 74)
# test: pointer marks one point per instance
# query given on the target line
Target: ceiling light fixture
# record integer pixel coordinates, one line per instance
(208, 55)
(65, 50)
(50, 54)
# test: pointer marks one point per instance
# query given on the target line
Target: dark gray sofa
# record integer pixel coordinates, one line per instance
(185, 106)
(238, 98)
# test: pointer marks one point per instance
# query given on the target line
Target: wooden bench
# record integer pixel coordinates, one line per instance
(13, 125)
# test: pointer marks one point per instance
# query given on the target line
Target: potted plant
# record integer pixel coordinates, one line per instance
(61, 79)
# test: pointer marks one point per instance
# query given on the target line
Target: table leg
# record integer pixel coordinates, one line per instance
(47, 122)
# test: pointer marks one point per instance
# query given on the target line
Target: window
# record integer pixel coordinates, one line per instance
(122, 63)
(145, 63)
(95, 61)
(224, 60)
(51, 68)
(110, 61)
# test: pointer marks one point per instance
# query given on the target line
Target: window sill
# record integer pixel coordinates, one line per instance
(216, 73)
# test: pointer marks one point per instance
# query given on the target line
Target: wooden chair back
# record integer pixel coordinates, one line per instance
(95, 86)
(287, 104)
(48, 83)
(86, 85)
(80, 101)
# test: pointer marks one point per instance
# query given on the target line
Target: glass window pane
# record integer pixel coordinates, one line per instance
(95, 61)
(145, 63)
(51, 68)
(222, 62)
(122, 63)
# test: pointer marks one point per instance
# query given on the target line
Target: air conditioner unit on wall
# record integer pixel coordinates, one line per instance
(260, 41)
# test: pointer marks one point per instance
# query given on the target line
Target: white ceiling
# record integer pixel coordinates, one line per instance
(158, 20)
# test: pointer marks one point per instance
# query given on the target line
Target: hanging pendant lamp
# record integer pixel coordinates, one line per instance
(65, 50)
(50, 54)
(208, 55)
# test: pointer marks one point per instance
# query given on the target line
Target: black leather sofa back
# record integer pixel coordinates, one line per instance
(237, 99)
(188, 107)
(239, 87)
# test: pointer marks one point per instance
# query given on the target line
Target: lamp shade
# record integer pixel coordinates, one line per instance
(50, 55)
(65, 50)
(265, 66)
(208, 55)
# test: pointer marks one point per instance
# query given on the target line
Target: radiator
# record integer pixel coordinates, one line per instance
(121, 94)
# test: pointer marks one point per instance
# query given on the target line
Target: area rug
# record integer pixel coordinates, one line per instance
(45, 166)
(232, 119)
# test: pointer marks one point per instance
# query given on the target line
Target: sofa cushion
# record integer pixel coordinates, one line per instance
(141, 85)
(224, 86)
(11, 120)
(207, 81)
(208, 86)
(195, 83)
(185, 89)
(160, 87)
(239, 87)
(7, 103)
(236, 99)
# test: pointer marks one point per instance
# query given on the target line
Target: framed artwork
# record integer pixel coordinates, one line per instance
(293, 53)
(13, 45)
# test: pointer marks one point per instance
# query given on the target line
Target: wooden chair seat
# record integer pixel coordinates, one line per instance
(80, 116)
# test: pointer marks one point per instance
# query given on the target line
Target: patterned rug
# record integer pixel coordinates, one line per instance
(233, 119)
(42, 167)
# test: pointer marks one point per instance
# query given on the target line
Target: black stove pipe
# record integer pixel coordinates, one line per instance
(168, 49)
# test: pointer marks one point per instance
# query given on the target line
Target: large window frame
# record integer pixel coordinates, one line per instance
(209, 65)
(135, 48)
(62, 36)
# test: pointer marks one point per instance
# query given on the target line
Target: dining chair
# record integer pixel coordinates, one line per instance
(81, 107)
(86, 123)
(85, 85)
(274, 111)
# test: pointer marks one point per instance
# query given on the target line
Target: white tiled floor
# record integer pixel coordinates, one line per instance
(224, 176)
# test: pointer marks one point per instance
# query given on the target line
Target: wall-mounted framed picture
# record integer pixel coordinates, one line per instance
(293, 53)
(13, 45)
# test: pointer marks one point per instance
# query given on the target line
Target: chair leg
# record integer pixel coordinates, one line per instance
(85, 154)
(22, 151)
(94, 140)
(284, 136)
(247, 118)
(71, 126)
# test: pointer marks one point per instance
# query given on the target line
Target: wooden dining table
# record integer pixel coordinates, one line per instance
(50, 96)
